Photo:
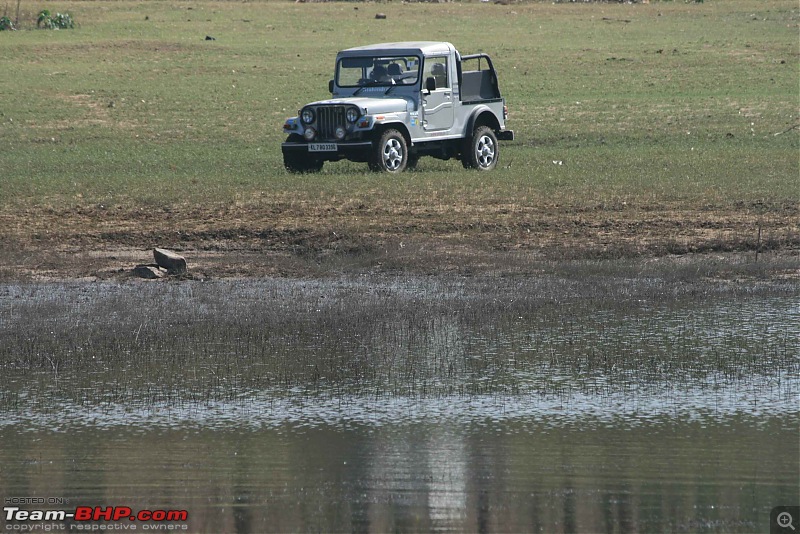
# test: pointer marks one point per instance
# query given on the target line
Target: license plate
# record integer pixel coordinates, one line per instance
(322, 147)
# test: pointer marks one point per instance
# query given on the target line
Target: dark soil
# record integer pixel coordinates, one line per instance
(280, 240)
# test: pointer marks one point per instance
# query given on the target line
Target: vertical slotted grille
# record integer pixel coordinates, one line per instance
(328, 118)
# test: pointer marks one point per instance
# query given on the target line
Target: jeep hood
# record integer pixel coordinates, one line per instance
(371, 104)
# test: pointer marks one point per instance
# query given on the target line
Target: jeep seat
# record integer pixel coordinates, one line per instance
(439, 74)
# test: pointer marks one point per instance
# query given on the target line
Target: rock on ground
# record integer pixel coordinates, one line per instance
(173, 263)
(148, 272)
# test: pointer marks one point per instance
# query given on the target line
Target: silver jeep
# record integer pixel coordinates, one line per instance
(394, 102)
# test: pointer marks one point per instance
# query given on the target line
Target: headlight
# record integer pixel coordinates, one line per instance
(352, 114)
(309, 134)
(307, 115)
(339, 133)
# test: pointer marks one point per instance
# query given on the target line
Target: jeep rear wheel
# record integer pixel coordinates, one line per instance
(389, 153)
(299, 162)
(481, 150)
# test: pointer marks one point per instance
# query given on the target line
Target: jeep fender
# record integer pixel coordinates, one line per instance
(380, 127)
(482, 116)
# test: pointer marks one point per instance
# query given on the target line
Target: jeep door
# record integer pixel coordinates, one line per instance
(438, 110)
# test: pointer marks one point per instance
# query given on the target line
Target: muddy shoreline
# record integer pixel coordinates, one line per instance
(318, 240)
(413, 259)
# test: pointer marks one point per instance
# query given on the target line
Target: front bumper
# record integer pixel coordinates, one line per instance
(352, 150)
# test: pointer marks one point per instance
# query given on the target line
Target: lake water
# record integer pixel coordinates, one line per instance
(401, 406)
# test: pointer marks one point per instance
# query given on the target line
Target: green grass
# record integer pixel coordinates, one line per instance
(685, 102)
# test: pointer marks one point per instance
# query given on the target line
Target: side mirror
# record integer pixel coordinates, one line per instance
(430, 84)
(330, 86)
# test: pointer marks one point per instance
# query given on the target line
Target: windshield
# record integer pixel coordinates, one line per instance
(377, 70)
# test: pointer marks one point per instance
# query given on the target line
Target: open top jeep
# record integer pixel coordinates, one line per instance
(394, 102)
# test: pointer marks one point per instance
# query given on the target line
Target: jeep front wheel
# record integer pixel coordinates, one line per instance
(481, 150)
(389, 153)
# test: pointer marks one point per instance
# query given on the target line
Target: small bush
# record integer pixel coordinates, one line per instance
(6, 24)
(59, 21)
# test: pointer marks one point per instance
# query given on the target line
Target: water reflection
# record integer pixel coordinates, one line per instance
(510, 476)
(403, 407)
(759, 397)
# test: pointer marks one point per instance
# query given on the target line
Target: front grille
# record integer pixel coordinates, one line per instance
(328, 119)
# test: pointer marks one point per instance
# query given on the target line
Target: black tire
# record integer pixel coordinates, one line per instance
(412, 162)
(300, 162)
(389, 153)
(481, 150)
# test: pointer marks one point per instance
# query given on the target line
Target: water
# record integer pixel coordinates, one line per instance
(519, 475)
(282, 406)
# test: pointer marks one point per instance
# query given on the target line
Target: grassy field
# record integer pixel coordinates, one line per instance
(676, 125)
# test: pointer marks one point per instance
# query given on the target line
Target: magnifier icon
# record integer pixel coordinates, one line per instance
(785, 520)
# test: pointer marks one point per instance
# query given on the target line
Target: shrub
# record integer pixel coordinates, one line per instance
(59, 21)
(6, 24)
